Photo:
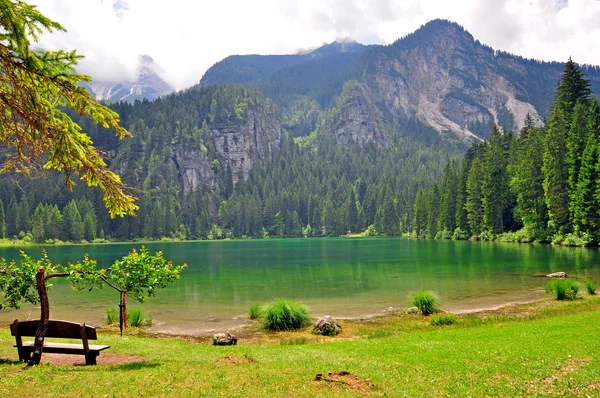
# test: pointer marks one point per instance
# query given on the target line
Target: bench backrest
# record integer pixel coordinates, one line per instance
(56, 329)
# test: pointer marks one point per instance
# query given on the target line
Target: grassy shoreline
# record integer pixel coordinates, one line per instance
(542, 348)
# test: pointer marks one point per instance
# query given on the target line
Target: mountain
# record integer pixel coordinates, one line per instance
(147, 84)
(438, 79)
(333, 140)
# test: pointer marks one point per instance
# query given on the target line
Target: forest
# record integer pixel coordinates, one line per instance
(540, 185)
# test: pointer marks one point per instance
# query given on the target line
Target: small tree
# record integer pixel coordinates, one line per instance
(139, 273)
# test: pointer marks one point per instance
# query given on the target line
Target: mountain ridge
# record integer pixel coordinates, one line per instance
(439, 76)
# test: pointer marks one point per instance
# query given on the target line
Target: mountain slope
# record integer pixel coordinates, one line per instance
(438, 78)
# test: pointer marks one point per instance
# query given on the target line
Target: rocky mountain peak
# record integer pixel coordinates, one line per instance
(147, 84)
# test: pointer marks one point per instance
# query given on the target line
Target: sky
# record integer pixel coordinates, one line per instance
(186, 37)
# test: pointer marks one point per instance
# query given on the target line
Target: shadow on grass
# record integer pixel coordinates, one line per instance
(6, 361)
(135, 365)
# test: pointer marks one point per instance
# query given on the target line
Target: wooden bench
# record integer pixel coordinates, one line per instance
(61, 330)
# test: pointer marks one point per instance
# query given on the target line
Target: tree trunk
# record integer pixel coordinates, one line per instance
(38, 345)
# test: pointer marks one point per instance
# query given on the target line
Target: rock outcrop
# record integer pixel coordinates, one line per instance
(326, 326)
(224, 339)
(238, 146)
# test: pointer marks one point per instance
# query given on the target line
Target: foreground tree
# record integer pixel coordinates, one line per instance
(36, 87)
(139, 273)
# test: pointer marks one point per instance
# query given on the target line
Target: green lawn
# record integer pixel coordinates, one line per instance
(550, 348)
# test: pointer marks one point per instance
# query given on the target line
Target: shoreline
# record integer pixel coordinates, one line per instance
(249, 329)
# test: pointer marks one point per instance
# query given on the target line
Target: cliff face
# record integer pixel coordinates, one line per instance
(356, 119)
(237, 146)
(448, 81)
(438, 77)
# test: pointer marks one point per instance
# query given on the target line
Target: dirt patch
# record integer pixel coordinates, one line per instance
(571, 365)
(231, 360)
(345, 379)
(104, 359)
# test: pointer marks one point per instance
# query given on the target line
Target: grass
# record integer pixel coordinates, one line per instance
(496, 353)
(426, 302)
(112, 315)
(563, 289)
(285, 315)
(137, 317)
(591, 286)
(442, 318)
(255, 311)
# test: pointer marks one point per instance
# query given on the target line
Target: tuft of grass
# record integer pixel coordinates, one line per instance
(442, 318)
(285, 315)
(136, 317)
(426, 302)
(255, 311)
(563, 289)
(112, 315)
(591, 286)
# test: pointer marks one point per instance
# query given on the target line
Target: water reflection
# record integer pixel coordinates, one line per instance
(344, 277)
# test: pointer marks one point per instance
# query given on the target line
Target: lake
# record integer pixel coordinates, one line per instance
(342, 277)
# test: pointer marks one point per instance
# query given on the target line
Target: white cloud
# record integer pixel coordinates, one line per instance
(186, 37)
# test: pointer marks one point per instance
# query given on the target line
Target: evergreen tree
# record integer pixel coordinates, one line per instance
(556, 172)
(72, 223)
(494, 188)
(474, 202)
(2, 221)
(576, 142)
(585, 205)
(573, 87)
(11, 217)
(23, 219)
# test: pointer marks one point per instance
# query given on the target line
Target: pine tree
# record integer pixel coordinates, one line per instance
(23, 219)
(494, 188)
(584, 205)
(2, 221)
(556, 172)
(573, 87)
(474, 202)
(526, 181)
(72, 223)
(576, 142)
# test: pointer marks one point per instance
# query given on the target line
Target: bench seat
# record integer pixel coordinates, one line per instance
(65, 348)
(58, 330)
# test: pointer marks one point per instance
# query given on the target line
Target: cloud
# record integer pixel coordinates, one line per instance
(186, 37)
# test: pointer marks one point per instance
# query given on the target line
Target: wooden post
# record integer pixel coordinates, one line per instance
(124, 299)
(40, 334)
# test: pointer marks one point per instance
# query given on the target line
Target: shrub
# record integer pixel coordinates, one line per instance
(112, 315)
(486, 236)
(446, 234)
(591, 286)
(254, 311)
(426, 302)
(578, 239)
(285, 315)
(137, 317)
(563, 289)
(442, 318)
(460, 234)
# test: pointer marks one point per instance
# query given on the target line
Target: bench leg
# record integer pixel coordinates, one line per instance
(90, 359)
(24, 354)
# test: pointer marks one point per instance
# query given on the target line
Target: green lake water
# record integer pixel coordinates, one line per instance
(342, 277)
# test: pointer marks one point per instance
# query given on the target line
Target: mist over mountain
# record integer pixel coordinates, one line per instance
(146, 84)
